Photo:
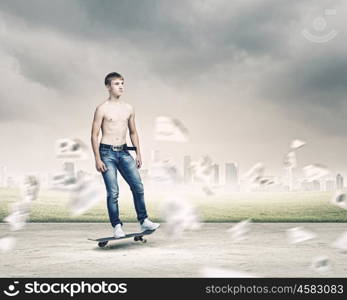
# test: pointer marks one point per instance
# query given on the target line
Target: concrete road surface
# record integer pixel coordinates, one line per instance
(63, 250)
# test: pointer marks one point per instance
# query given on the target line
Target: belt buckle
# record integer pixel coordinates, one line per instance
(117, 148)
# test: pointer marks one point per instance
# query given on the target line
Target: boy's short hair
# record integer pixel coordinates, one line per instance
(111, 76)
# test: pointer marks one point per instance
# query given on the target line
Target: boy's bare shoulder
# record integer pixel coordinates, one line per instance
(131, 108)
(101, 107)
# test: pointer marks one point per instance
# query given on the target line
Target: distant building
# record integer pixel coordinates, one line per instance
(187, 169)
(316, 185)
(306, 185)
(339, 182)
(216, 174)
(10, 182)
(69, 168)
(329, 185)
(231, 174)
(291, 180)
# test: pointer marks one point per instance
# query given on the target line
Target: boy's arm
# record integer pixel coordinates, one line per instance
(133, 133)
(98, 117)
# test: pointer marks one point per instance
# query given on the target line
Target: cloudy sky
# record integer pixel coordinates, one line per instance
(240, 75)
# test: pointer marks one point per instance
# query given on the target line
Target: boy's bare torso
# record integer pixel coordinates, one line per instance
(114, 125)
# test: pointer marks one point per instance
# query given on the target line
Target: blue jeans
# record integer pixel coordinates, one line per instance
(126, 165)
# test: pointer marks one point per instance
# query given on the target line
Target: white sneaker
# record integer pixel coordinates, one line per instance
(118, 231)
(148, 225)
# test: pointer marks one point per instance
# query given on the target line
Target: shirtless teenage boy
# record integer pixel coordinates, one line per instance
(114, 117)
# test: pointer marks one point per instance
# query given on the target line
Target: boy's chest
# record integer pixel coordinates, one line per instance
(119, 114)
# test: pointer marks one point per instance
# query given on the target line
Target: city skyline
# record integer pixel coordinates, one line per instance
(232, 177)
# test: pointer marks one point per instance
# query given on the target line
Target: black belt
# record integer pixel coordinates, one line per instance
(117, 148)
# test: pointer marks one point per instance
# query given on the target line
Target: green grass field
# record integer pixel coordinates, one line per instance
(51, 206)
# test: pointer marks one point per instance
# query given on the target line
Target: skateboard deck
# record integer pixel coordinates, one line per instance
(138, 236)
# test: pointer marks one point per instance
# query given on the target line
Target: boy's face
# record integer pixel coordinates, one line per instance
(116, 87)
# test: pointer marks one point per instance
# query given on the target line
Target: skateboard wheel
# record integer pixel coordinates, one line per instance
(143, 240)
(102, 244)
(138, 238)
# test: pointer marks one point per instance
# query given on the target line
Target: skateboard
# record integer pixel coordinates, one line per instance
(138, 236)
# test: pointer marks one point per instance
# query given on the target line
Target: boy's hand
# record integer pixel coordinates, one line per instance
(138, 161)
(100, 166)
